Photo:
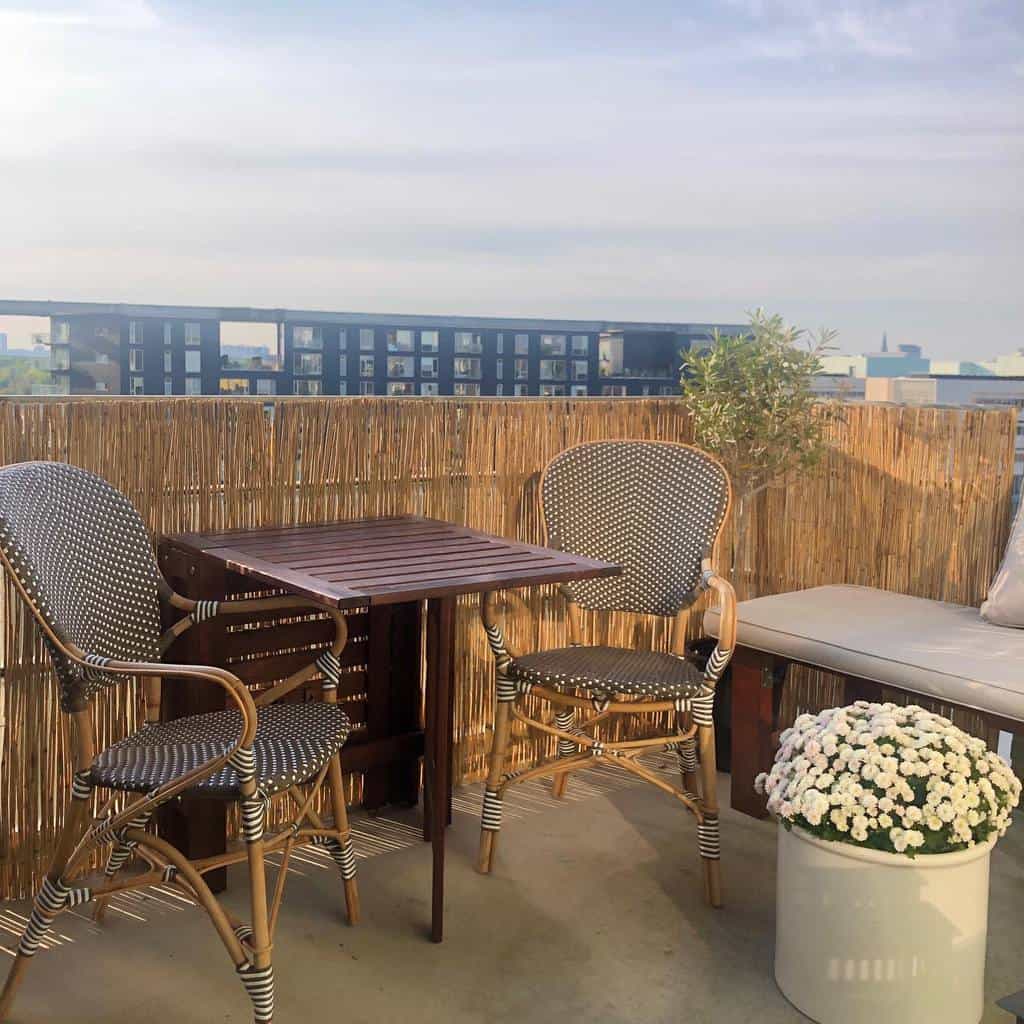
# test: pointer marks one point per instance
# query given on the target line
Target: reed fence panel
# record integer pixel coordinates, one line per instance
(909, 499)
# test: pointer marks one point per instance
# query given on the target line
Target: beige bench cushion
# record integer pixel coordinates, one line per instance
(939, 650)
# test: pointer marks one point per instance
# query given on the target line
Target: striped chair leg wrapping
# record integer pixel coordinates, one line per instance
(342, 852)
(242, 932)
(251, 809)
(490, 820)
(687, 751)
(259, 983)
(565, 720)
(51, 899)
(123, 847)
(708, 841)
(703, 707)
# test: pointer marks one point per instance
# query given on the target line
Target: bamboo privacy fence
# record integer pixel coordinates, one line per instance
(909, 499)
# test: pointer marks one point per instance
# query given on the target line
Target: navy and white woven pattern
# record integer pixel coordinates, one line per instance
(708, 842)
(50, 901)
(330, 669)
(293, 742)
(84, 557)
(565, 719)
(653, 508)
(490, 820)
(259, 983)
(606, 671)
(342, 852)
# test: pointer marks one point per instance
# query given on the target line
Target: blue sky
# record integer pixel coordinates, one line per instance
(849, 164)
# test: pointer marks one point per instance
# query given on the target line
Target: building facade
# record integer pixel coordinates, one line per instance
(174, 350)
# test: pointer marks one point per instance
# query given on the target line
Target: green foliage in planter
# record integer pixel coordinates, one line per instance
(751, 401)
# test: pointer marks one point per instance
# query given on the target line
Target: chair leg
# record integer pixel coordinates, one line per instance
(708, 840)
(490, 823)
(343, 852)
(49, 901)
(565, 719)
(119, 855)
(258, 976)
(687, 755)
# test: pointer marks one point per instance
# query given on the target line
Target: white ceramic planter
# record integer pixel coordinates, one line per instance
(864, 937)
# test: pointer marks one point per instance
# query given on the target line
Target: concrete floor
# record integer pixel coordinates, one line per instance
(594, 913)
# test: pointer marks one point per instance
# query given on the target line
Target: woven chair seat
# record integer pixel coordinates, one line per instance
(605, 671)
(293, 742)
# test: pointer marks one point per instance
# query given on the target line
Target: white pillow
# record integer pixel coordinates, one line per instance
(1004, 605)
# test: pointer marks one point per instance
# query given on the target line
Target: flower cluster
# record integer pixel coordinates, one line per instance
(898, 779)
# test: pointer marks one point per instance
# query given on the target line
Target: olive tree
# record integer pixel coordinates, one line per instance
(752, 405)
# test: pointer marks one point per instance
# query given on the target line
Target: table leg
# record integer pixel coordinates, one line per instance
(438, 759)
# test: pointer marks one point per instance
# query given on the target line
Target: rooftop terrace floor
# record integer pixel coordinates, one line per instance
(594, 912)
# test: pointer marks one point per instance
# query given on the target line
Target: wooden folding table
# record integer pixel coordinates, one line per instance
(391, 561)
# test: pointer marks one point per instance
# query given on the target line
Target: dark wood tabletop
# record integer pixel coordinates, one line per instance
(362, 562)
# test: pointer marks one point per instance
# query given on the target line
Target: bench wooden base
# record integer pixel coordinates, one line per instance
(757, 681)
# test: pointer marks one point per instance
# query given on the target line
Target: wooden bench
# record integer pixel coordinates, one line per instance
(874, 639)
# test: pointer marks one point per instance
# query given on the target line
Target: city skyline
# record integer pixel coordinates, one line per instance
(850, 165)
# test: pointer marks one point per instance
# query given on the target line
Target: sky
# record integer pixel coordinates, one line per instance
(854, 164)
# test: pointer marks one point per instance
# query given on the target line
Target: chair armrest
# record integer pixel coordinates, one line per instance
(203, 611)
(722, 654)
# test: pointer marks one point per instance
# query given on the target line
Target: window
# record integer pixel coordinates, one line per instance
(667, 389)
(428, 341)
(552, 369)
(401, 341)
(520, 390)
(306, 387)
(499, 368)
(135, 360)
(102, 359)
(193, 386)
(101, 385)
(429, 388)
(580, 345)
(343, 366)
(401, 366)
(365, 339)
(63, 329)
(192, 336)
(193, 362)
(342, 388)
(499, 389)
(578, 390)
(136, 386)
(366, 367)
(468, 342)
(500, 345)
(308, 337)
(401, 387)
(552, 390)
(168, 386)
(614, 390)
(168, 332)
(366, 387)
(467, 390)
(342, 340)
(134, 332)
(167, 360)
(310, 363)
(580, 369)
(428, 366)
(465, 367)
(522, 369)
(552, 344)
(234, 385)
(60, 359)
(266, 386)
(522, 344)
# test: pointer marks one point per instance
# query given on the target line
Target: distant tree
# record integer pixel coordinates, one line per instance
(19, 374)
(752, 404)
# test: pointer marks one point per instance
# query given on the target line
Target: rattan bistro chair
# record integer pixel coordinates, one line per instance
(80, 557)
(656, 509)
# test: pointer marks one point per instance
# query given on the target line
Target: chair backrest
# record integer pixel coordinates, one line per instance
(654, 507)
(83, 556)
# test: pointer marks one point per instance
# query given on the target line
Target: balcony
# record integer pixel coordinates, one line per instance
(594, 910)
